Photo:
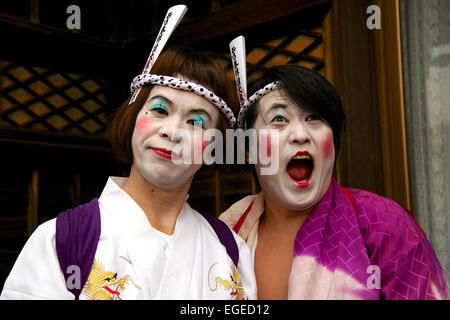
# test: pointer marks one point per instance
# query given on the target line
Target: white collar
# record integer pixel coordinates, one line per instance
(115, 185)
(123, 207)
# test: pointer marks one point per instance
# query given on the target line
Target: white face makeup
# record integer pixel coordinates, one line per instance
(155, 138)
(306, 153)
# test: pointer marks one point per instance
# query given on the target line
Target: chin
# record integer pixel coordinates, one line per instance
(302, 204)
(157, 179)
(168, 180)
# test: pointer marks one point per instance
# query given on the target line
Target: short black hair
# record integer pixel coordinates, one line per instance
(308, 90)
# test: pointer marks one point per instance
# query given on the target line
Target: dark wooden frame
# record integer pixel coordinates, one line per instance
(365, 66)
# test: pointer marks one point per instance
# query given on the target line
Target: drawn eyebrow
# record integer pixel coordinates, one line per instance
(201, 111)
(276, 106)
(168, 101)
(194, 111)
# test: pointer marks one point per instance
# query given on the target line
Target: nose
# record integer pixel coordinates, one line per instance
(298, 133)
(169, 130)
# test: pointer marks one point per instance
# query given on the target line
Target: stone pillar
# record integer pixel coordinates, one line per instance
(425, 33)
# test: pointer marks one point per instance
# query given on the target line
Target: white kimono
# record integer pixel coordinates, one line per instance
(135, 261)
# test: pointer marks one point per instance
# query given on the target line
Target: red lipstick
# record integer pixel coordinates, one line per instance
(167, 154)
(303, 184)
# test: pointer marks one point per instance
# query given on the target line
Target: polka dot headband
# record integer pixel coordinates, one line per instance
(176, 83)
(253, 99)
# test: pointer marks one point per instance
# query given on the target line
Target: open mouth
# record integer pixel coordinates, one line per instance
(300, 168)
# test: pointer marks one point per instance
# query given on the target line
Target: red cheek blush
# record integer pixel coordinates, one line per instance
(199, 143)
(269, 146)
(266, 143)
(202, 141)
(327, 145)
(143, 124)
(204, 145)
(198, 148)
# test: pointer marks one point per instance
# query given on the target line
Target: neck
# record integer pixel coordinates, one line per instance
(278, 217)
(161, 206)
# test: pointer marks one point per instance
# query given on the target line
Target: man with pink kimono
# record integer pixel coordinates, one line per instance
(310, 238)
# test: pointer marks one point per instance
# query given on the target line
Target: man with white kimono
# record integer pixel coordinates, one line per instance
(145, 263)
(151, 243)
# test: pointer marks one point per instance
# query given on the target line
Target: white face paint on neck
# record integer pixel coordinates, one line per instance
(306, 153)
(156, 143)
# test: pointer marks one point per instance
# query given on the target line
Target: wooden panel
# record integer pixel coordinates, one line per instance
(7, 258)
(392, 108)
(42, 99)
(55, 48)
(13, 226)
(231, 19)
(297, 46)
(351, 67)
(365, 67)
(33, 203)
(238, 16)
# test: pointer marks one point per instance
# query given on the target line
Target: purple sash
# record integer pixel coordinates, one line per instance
(77, 236)
(225, 237)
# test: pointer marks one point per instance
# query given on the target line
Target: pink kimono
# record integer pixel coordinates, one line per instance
(359, 246)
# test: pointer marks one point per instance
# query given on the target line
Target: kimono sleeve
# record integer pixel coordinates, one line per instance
(36, 274)
(245, 268)
(408, 266)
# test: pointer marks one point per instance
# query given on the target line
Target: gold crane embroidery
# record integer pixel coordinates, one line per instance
(235, 285)
(104, 285)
